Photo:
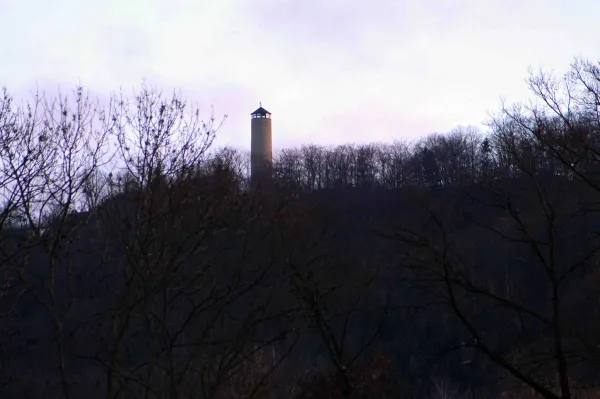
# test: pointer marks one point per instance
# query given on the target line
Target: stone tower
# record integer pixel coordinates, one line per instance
(261, 148)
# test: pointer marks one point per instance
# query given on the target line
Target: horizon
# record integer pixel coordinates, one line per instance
(330, 72)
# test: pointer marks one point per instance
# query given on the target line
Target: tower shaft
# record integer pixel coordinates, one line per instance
(261, 148)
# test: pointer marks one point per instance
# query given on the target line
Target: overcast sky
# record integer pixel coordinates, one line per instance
(330, 71)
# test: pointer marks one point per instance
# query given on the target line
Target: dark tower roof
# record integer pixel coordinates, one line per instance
(261, 111)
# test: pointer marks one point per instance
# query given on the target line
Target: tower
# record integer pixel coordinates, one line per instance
(261, 152)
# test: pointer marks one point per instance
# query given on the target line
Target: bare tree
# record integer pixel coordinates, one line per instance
(540, 221)
(191, 287)
(49, 151)
(332, 293)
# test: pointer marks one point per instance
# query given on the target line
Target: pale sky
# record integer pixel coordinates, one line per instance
(330, 71)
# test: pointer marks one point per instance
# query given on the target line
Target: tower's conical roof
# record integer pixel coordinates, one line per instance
(261, 111)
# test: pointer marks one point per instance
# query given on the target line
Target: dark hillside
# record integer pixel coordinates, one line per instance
(462, 261)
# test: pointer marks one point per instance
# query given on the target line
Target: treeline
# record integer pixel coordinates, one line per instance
(461, 157)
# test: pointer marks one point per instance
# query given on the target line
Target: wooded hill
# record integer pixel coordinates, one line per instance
(137, 263)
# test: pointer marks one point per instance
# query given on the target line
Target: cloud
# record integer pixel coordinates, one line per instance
(327, 69)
